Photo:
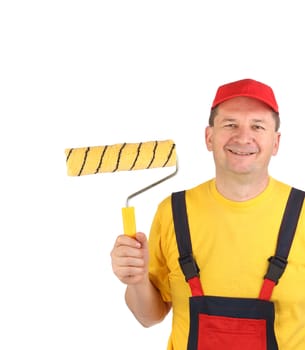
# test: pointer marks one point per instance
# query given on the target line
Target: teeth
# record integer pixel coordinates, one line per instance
(241, 153)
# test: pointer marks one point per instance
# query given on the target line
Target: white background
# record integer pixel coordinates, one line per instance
(85, 73)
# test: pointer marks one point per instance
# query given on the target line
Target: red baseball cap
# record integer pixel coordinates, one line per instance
(249, 88)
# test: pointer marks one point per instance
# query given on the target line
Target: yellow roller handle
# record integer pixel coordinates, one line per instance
(129, 221)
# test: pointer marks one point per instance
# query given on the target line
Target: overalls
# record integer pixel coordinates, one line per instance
(226, 323)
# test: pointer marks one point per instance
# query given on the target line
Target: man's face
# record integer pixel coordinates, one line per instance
(243, 138)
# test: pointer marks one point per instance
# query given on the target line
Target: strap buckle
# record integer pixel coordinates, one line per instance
(189, 267)
(276, 268)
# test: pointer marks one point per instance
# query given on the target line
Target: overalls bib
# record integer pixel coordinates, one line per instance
(226, 323)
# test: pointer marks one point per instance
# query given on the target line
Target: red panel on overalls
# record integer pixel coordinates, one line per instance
(222, 323)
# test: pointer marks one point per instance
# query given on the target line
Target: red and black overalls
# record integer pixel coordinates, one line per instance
(226, 323)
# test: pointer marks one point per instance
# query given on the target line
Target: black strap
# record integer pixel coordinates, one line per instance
(183, 237)
(277, 263)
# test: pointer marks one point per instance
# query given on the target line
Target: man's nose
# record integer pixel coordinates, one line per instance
(243, 134)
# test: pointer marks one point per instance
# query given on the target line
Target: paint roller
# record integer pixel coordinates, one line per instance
(123, 157)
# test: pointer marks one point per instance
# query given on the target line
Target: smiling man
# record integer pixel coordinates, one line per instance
(243, 137)
(227, 256)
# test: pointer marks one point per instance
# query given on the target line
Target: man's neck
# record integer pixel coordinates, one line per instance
(242, 187)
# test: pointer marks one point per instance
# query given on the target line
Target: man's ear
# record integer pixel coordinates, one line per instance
(276, 143)
(208, 137)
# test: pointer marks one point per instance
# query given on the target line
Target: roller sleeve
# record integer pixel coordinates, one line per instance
(120, 157)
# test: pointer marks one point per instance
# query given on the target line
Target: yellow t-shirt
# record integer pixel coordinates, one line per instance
(231, 242)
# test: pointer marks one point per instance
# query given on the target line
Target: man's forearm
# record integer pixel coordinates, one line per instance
(146, 303)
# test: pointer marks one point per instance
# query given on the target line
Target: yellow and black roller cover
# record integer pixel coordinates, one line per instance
(118, 157)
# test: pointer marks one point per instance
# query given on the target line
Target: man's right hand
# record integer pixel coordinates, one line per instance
(129, 258)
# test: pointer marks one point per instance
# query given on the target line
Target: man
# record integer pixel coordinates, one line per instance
(234, 222)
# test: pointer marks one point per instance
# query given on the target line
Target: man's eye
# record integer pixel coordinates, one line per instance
(230, 125)
(258, 127)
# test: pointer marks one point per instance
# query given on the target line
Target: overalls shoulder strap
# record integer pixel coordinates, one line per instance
(187, 262)
(277, 263)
